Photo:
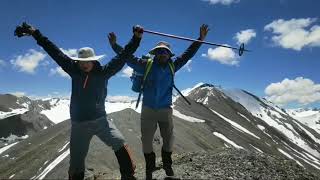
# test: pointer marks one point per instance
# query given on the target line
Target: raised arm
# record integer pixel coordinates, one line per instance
(65, 62)
(116, 63)
(113, 43)
(132, 61)
(191, 50)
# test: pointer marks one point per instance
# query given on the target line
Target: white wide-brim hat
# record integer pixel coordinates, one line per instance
(161, 44)
(87, 54)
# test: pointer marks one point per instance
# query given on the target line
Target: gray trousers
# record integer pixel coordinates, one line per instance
(150, 119)
(81, 135)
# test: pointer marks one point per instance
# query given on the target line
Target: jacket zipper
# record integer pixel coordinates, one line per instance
(85, 82)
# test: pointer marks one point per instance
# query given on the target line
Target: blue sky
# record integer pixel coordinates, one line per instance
(284, 37)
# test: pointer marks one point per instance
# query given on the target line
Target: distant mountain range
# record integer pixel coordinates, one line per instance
(216, 119)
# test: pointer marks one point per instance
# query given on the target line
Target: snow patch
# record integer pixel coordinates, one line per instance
(261, 127)
(221, 136)
(289, 132)
(244, 117)
(185, 117)
(61, 149)
(59, 111)
(206, 100)
(236, 125)
(4, 115)
(289, 156)
(52, 165)
(119, 106)
(308, 117)
(308, 132)
(306, 157)
(7, 147)
(121, 99)
(11, 176)
(249, 102)
(257, 149)
(271, 114)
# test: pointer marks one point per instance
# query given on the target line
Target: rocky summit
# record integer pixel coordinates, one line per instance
(227, 163)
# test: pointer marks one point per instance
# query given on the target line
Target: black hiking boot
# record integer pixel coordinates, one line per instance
(167, 162)
(76, 176)
(150, 159)
(126, 164)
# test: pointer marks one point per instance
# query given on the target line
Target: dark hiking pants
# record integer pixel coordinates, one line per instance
(81, 135)
(150, 119)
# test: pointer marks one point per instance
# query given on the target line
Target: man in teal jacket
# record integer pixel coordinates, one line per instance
(157, 98)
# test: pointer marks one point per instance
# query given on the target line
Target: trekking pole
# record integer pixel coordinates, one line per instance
(240, 49)
(174, 86)
(137, 104)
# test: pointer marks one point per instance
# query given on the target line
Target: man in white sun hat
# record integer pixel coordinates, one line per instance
(87, 106)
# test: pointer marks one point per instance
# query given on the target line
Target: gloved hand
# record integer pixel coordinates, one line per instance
(138, 31)
(24, 30)
(112, 38)
(204, 29)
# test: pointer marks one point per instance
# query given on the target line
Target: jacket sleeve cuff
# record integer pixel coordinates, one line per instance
(37, 34)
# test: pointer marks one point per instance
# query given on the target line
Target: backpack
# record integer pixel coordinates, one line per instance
(138, 80)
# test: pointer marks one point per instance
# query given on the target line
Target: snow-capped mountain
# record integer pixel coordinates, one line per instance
(58, 110)
(21, 117)
(11, 105)
(217, 118)
(309, 117)
(245, 121)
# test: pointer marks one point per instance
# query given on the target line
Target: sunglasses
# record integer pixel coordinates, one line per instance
(162, 51)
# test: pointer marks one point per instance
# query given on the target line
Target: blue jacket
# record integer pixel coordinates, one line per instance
(88, 89)
(157, 93)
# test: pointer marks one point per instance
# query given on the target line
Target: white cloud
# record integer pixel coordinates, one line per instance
(29, 61)
(2, 63)
(223, 2)
(295, 33)
(70, 52)
(188, 66)
(300, 90)
(223, 55)
(45, 63)
(58, 71)
(127, 72)
(18, 93)
(245, 36)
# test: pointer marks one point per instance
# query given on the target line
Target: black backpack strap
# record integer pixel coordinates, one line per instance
(171, 65)
(174, 86)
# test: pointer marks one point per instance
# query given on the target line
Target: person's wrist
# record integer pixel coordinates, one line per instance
(35, 33)
(137, 35)
(32, 32)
